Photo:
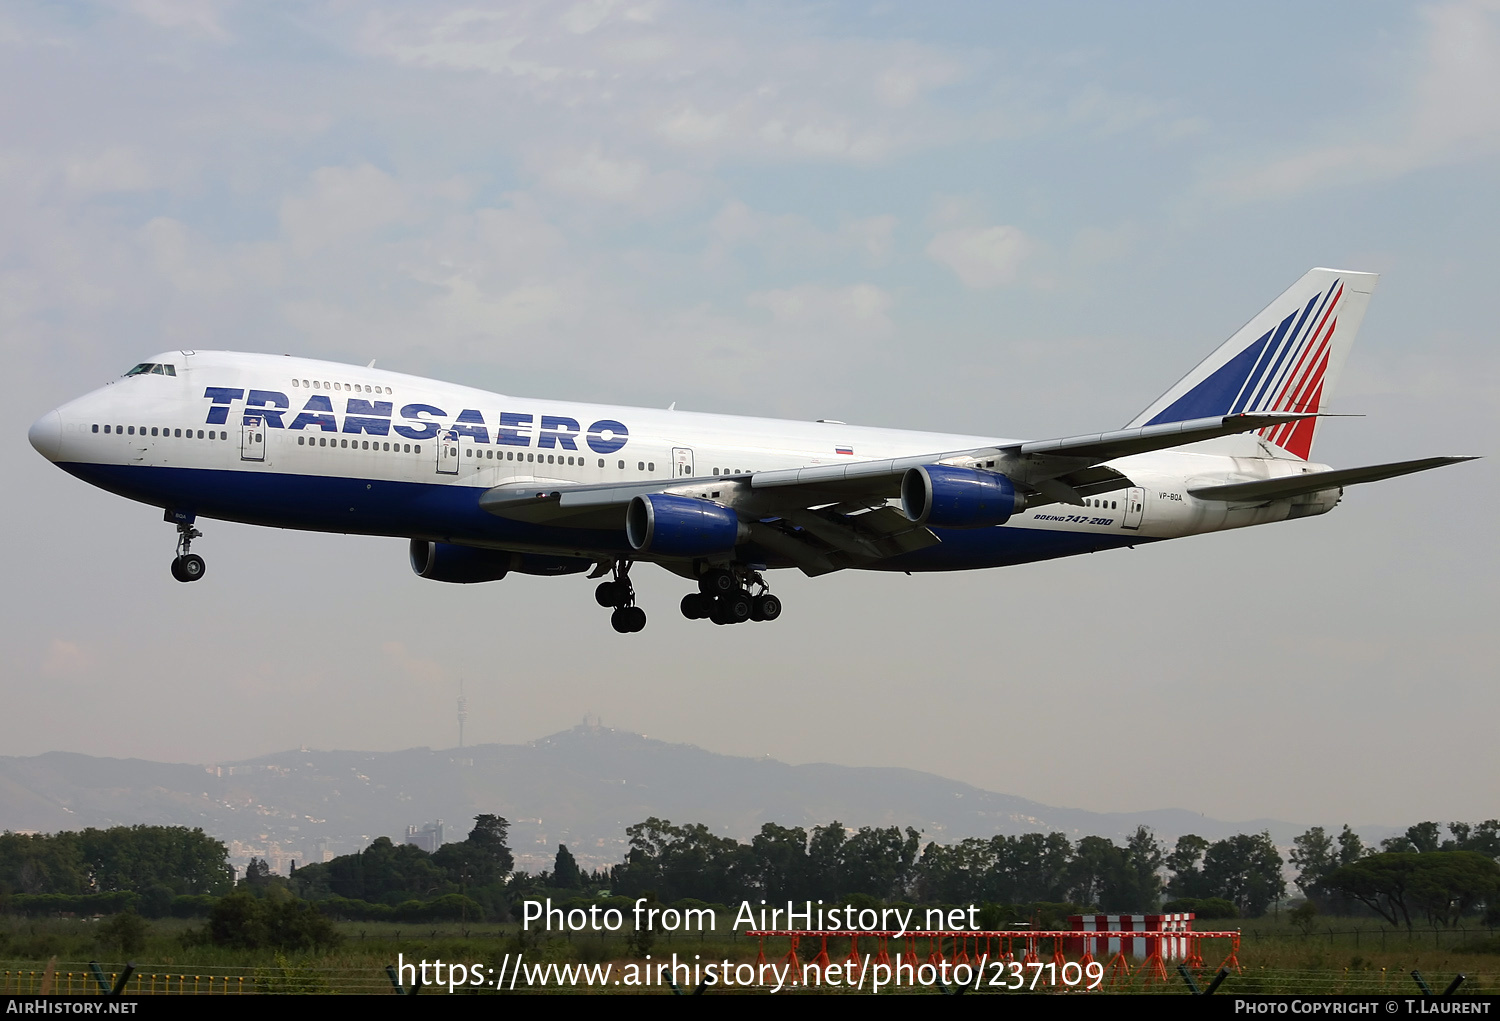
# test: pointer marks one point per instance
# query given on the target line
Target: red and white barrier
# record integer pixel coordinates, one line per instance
(1173, 948)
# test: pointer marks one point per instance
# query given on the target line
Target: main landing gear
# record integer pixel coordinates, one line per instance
(187, 566)
(620, 593)
(731, 596)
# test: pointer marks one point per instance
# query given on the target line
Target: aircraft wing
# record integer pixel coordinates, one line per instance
(1289, 486)
(828, 517)
(1054, 471)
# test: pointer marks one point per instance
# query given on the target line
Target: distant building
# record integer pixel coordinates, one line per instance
(429, 838)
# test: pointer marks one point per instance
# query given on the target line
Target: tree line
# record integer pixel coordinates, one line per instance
(1242, 873)
(1418, 875)
(157, 864)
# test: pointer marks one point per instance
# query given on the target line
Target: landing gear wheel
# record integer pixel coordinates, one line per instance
(735, 608)
(628, 619)
(189, 567)
(608, 594)
(718, 582)
(765, 607)
(695, 606)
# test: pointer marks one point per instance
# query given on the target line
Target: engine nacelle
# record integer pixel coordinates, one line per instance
(680, 526)
(947, 497)
(464, 565)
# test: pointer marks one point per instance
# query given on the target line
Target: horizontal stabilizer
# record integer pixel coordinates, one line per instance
(1315, 482)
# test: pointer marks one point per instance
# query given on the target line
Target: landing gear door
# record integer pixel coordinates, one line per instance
(447, 453)
(682, 460)
(1135, 508)
(253, 439)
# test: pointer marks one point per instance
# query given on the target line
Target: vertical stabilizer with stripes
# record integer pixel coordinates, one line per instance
(1285, 359)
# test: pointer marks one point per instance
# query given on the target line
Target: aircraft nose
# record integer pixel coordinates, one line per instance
(45, 435)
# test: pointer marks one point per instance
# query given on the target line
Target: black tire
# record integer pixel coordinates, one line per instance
(767, 607)
(621, 620)
(693, 607)
(637, 618)
(717, 582)
(736, 607)
(189, 568)
(605, 593)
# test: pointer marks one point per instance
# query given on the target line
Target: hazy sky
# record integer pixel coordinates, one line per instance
(1006, 219)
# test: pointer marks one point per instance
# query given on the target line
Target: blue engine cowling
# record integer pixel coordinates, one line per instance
(680, 526)
(947, 497)
(464, 565)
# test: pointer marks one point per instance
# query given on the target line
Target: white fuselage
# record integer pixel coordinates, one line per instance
(299, 443)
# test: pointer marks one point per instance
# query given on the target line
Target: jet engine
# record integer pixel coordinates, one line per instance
(464, 565)
(680, 526)
(946, 497)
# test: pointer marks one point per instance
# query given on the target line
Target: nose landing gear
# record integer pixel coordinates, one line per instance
(620, 593)
(187, 566)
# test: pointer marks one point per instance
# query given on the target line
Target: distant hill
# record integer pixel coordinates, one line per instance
(581, 787)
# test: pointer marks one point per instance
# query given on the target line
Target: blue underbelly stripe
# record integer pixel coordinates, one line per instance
(448, 512)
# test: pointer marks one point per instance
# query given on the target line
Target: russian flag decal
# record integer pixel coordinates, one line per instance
(843, 450)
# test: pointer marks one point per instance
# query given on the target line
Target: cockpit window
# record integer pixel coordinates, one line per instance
(152, 369)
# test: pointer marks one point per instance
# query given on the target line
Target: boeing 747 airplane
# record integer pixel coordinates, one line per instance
(483, 484)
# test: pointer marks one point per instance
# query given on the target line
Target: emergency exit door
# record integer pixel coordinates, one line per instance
(252, 439)
(447, 453)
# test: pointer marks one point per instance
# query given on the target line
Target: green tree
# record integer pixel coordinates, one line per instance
(249, 923)
(1351, 848)
(1398, 885)
(1096, 867)
(565, 872)
(1313, 855)
(124, 933)
(1245, 869)
(825, 858)
(488, 838)
(1184, 862)
(1144, 857)
(878, 862)
(779, 864)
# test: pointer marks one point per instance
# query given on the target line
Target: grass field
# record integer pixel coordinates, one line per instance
(1338, 955)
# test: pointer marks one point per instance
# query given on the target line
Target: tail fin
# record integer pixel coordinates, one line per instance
(1285, 359)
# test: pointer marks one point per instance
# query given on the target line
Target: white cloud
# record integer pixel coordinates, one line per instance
(198, 16)
(193, 265)
(591, 174)
(690, 127)
(982, 257)
(1450, 114)
(115, 169)
(786, 238)
(341, 203)
(858, 308)
(467, 40)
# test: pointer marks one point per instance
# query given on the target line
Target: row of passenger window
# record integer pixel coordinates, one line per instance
(493, 455)
(352, 387)
(131, 430)
(324, 441)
